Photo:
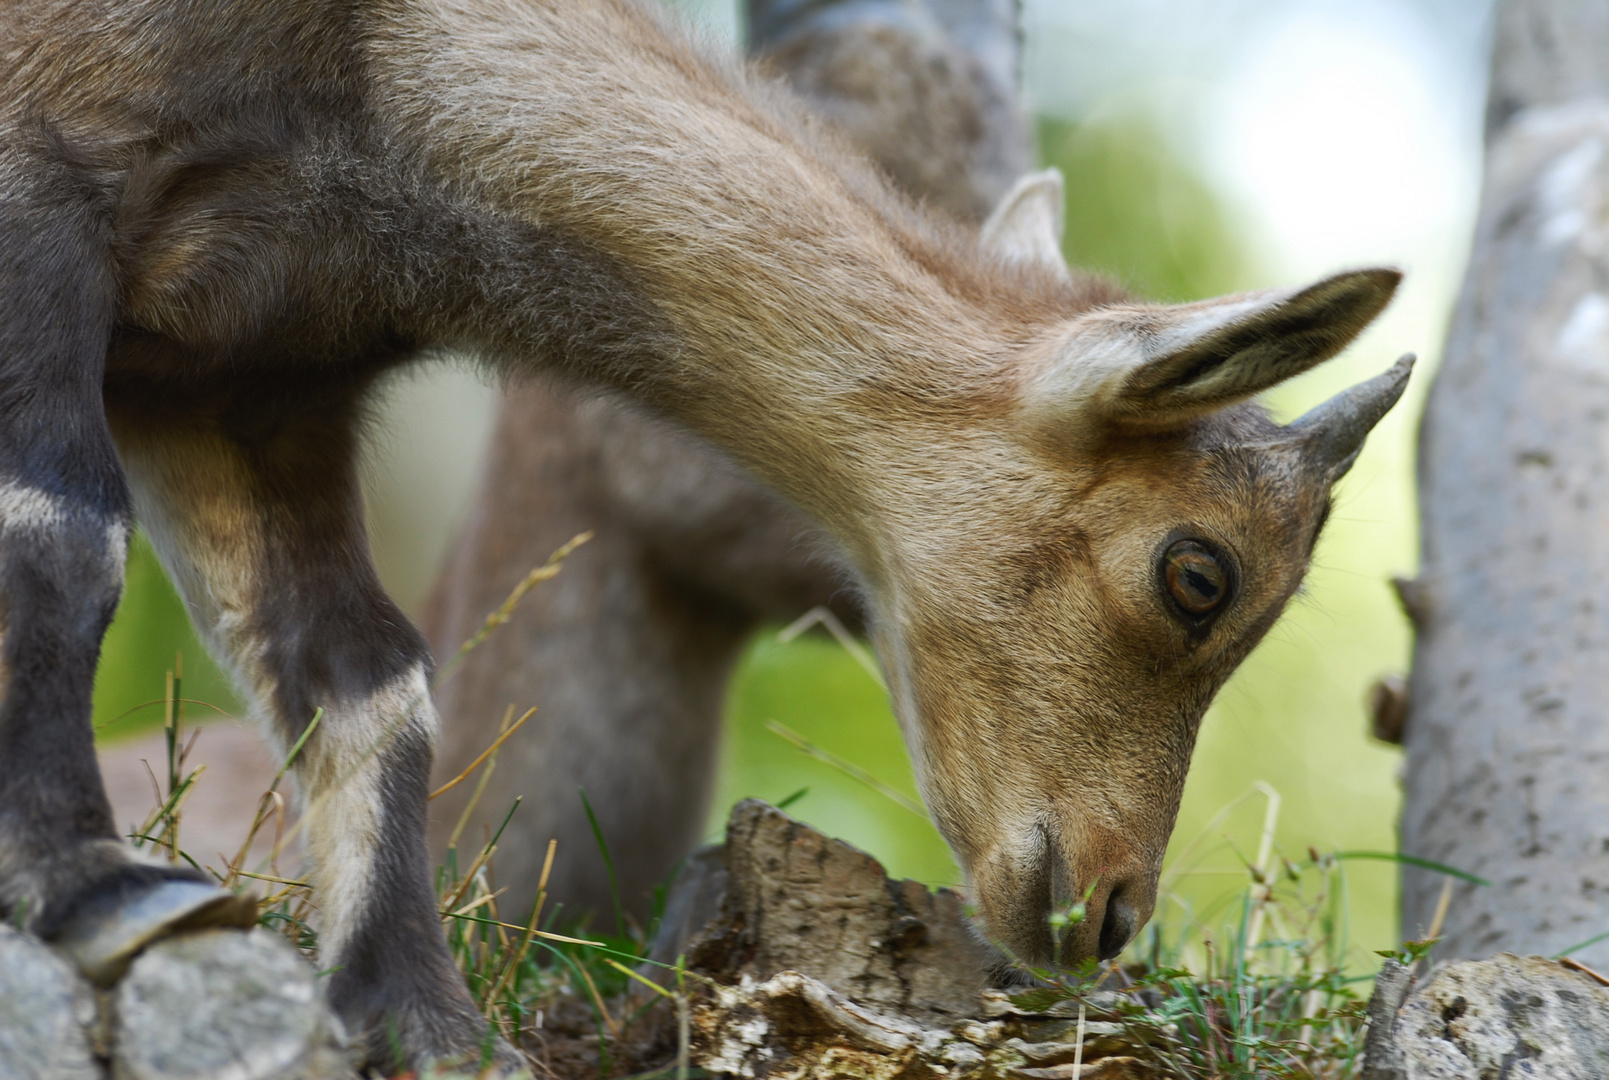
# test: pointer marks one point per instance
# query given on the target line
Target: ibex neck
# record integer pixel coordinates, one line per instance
(805, 309)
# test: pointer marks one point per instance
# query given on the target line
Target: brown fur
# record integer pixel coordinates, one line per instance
(219, 221)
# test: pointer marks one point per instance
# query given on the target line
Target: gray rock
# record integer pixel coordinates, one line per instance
(225, 1005)
(1510, 1016)
(46, 1011)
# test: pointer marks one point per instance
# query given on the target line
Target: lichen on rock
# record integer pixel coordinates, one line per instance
(213, 1005)
(1507, 1016)
(225, 1005)
(47, 1013)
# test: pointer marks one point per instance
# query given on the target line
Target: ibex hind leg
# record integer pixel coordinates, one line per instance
(64, 520)
(259, 523)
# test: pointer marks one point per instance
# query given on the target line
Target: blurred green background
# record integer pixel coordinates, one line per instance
(1154, 201)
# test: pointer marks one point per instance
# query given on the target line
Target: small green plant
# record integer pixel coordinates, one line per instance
(1409, 953)
(1065, 918)
(520, 971)
(1272, 994)
(1277, 1006)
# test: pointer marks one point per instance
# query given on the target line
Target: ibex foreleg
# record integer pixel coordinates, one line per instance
(256, 514)
(64, 519)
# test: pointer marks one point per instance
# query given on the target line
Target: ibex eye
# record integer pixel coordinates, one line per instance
(1197, 578)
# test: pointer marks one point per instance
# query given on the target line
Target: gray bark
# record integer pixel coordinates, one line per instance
(1507, 739)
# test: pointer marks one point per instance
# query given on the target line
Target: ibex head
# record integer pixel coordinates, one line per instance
(1054, 635)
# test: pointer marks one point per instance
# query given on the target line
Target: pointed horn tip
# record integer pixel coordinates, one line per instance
(1336, 429)
(1385, 278)
(1396, 376)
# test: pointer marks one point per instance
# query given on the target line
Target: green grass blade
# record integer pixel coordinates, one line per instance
(498, 835)
(1578, 946)
(791, 799)
(608, 864)
(848, 768)
(1414, 860)
(296, 747)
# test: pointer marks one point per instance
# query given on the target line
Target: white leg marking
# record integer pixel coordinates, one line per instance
(26, 509)
(345, 803)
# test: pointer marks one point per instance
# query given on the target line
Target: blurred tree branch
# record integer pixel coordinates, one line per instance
(1506, 729)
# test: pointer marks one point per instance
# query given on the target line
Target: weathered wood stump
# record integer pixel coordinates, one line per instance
(795, 900)
(827, 968)
(819, 968)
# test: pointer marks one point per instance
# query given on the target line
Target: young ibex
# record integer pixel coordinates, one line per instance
(219, 223)
(628, 652)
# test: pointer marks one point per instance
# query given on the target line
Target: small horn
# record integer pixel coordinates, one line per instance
(1333, 433)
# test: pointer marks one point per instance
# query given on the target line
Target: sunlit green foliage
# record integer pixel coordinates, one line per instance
(150, 629)
(1137, 211)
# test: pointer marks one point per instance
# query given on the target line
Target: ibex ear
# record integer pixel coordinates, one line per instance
(1161, 366)
(1027, 225)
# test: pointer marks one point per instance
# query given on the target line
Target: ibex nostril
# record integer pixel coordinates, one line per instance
(1118, 926)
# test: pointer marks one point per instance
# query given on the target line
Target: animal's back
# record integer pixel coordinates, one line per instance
(425, 162)
(115, 74)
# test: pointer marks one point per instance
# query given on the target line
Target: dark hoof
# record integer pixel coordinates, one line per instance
(105, 936)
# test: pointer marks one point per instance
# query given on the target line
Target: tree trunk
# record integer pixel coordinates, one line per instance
(1508, 721)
